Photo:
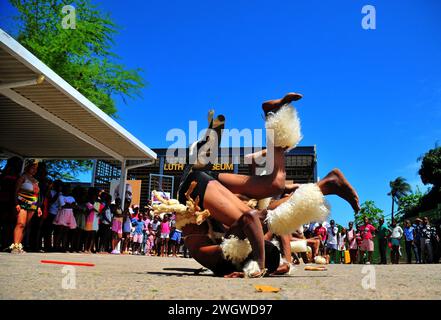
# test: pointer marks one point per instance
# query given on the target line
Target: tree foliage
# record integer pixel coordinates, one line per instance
(409, 205)
(82, 56)
(370, 210)
(430, 171)
(67, 170)
(399, 188)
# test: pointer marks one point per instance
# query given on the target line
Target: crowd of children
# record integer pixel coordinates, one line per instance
(81, 219)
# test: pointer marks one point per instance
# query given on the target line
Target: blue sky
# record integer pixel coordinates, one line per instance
(372, 98)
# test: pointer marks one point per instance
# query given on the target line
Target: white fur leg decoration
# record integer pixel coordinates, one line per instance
(305, 205)
(320, 260)
(276, 242)
(250, 268)
(236, 250)
(298, 246)
(285, 125)
(263, 203)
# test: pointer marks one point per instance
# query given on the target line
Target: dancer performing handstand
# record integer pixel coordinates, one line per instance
(242, 250)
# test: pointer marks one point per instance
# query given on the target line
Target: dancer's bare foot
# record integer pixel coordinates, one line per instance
(282, 269)
(273, 105)
(336, 183)
(235, 274)
(238, 274)
(251, 157)
(291, 187)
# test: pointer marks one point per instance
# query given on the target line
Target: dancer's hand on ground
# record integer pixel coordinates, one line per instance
(235, 274)
(238, 274)
(282, 269)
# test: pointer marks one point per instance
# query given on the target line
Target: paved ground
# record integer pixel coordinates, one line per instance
(140, 277)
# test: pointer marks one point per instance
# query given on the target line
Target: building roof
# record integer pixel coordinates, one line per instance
(51, 119)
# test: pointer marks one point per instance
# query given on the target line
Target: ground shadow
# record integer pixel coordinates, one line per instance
(181, 272)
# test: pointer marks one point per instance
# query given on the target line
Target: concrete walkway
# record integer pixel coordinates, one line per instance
(141, 277)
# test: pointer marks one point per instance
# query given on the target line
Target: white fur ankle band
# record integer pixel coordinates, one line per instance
(285, 126)
(298, 246)
(305, 205)
(235, 250)
(251, 268)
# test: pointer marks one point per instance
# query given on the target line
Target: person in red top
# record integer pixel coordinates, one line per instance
(321, 232)
(367, 244)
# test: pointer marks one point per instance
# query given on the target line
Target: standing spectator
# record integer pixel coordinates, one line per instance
(342, 244)
(105, 225)
(418, 236)
(35, 232)
(175, 238)
(165, 235)
(150, 240)
(156, 230)
(138, 236)
(117, 225)
(395, 238)
(331, 242)
(320, 232)
(94, 209)
(409, 237)
(382, 235)
(145, 232)
(48, 223)
(352, 242)
(436, 243)
(27, 193)
(127, 227)
(80, 213)
(65, 219)
(8, 214)
(367, 243)
(428, 236)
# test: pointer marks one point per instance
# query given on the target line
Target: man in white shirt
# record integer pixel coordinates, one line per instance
(395, 237)
(331, 240)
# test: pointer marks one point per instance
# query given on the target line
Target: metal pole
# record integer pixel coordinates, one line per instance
(122, 183)
(161, 171)
(94, 172)
(23, 165)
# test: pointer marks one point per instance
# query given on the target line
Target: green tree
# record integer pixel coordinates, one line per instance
(67, 170)
(409, 205)
(398, 189)
(81, 56)
(370, 210)
(430, 171)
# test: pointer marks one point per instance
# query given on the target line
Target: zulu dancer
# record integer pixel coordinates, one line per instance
(242, 250)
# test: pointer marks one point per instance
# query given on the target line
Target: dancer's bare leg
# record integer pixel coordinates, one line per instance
(285, 248)
(259, 187)
(229, 210)
(273, 105)
(210, 256)
(336, 183)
